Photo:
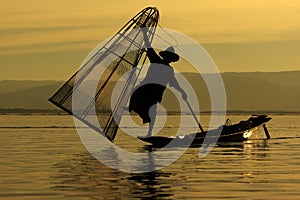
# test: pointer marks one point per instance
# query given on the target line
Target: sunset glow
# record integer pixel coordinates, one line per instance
(39, 38)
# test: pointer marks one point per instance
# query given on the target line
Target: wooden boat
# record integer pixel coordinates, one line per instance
(229, 133)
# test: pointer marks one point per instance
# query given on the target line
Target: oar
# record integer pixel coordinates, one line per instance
(266, 132)
(195, 117)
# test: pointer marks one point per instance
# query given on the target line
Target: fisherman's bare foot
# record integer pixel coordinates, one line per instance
(149, 135)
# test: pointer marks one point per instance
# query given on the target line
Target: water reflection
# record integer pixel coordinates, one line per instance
(81, 175)
(256, 149)
(248, 159)
(151, 185)
(257, 169)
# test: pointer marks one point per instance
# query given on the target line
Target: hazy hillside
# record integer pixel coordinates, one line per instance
(260, 91)
(276, 91)
(256, 91)
(27, 94)
(8, 86)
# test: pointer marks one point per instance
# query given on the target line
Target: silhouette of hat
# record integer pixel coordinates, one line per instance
(170, 53)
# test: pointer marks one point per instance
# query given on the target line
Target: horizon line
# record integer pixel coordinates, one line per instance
(281, 71)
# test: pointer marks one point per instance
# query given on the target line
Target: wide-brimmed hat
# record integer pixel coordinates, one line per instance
(170, 53)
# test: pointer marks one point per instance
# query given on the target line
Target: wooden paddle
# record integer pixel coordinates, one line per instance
(194, 115)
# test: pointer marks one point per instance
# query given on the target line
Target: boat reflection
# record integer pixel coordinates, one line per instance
(81, 175)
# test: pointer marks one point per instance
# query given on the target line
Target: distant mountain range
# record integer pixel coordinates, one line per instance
(253, 91)
(27, 94)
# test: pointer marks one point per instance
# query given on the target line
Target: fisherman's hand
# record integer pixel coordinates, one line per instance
(184, 96)
(146, 39)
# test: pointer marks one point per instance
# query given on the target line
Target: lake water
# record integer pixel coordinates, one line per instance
(42, 157)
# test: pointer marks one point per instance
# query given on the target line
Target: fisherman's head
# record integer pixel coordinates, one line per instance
(169, 55)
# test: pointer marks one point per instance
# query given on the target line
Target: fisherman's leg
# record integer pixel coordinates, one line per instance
(152, 115)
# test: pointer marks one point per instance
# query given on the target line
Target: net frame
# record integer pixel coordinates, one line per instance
(147, 18)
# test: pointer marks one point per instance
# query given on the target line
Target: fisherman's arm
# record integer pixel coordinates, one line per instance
(152, 55)
(174, 83)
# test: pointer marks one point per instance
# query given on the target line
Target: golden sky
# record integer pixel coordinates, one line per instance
(48, 39)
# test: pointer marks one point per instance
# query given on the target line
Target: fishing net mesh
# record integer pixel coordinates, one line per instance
(93, 84)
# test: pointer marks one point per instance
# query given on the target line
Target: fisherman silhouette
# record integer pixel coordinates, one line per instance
(150, 91)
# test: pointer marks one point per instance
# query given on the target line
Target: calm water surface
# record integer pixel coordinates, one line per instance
(42, 157)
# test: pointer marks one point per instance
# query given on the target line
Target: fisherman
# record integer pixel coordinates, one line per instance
(150, 91)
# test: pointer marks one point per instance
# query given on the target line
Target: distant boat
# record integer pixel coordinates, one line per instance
(238, 132)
